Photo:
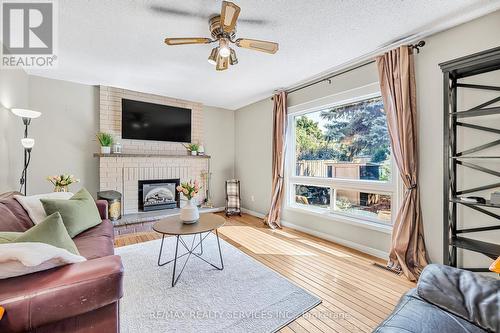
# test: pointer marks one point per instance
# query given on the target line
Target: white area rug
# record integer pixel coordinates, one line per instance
(244, 297)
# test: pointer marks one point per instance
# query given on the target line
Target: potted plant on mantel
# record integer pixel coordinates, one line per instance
(106, 141)
(189, 213)
(193, 148)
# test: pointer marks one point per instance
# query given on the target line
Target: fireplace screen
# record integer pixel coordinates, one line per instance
(158, 194)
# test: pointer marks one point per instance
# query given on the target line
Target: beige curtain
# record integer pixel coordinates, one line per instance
(397, 84)
(272, 219)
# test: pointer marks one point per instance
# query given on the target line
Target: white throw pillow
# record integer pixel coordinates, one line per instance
(33, 206)
(25, 258)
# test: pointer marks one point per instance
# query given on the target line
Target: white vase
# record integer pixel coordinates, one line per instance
(194, 152)
(190, 213)
(105, 150)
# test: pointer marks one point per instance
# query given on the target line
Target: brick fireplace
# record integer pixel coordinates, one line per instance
(123, 173)
(145, 160)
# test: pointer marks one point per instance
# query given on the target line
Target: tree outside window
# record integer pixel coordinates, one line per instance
(349, 141)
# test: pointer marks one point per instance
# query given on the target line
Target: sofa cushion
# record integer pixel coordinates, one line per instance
(13, 217)
(79, 213)
(25, 258)
(33, 206)
(96, 242)
(50, 231)
(8, 236)
(465, 294)
(413, 314)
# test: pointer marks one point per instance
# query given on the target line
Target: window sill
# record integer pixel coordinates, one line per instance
(380, 227)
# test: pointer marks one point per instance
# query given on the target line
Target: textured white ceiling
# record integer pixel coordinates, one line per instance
(120, 43)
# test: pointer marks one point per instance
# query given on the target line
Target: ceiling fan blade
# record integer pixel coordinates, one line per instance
(176, 12)
(228, 16)
(165, 10)
(182, 41)
(258, 45)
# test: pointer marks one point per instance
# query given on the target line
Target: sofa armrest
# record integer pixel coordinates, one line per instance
(465, 294)
(102, 206)
(45, 297)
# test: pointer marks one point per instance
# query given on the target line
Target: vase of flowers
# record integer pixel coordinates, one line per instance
(106, 141)
(62, 182)
(189, 213)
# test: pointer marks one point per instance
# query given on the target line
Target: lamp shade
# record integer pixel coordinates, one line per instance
(25, 113)
(233, 60)
(28, 143)
(212, 59)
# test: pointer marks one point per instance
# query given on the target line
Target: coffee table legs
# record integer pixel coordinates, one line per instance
(190, 251)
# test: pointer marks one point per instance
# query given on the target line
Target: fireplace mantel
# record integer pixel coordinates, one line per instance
(99, 155)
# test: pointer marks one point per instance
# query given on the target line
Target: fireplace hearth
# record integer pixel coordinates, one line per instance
(158, 194)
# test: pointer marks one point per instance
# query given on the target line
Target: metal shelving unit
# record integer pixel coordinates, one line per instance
(455, 238)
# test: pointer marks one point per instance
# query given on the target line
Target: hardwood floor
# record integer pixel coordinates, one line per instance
(356, 294)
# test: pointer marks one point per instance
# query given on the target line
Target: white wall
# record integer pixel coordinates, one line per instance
(219, 144)
(253, 126)
(64, 133)
(475, 36)
(13, 94)
(253, 153)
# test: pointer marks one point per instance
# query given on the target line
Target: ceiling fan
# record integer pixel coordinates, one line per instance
(223, 30)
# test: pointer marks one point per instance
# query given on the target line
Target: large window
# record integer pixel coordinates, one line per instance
(342, 161)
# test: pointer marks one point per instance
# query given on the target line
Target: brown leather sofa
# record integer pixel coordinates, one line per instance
(81, 297)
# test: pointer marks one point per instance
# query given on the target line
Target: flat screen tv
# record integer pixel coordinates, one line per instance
(148, 121)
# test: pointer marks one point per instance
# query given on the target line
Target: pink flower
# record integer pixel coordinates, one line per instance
(179, 188)
(185, 191)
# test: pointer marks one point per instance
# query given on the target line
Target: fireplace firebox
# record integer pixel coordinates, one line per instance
(158, 194)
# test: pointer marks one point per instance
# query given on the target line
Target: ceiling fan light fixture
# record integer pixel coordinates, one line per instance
(222, 28)
(224, 50)
(233, 60)
(222, 63)
(212, 58)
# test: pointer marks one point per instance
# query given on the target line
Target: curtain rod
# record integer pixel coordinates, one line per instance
(330, 76)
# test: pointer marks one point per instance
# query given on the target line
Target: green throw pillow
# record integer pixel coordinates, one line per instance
(8, 236)
(79, 213)
(50, 231)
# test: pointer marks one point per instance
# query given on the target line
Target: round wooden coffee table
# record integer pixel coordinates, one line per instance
(175, 227)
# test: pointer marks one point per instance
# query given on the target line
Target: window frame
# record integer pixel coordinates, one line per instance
(392, 187)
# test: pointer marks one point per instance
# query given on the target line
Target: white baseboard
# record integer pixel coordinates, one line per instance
(253, 213)
(341, 241)
(325, 236)
(215, 210)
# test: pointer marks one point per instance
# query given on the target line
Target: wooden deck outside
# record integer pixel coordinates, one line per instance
(356, 294)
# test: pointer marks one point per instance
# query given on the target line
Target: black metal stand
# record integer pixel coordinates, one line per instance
(454, 238)
(190, 251)
(27, 157)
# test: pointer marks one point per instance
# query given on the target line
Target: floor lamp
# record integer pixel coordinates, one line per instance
(27, 143)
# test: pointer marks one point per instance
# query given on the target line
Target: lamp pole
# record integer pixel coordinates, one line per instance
(27, 143)
(24, 177)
